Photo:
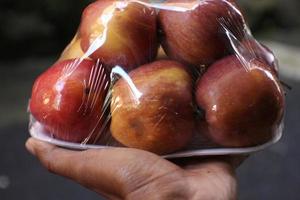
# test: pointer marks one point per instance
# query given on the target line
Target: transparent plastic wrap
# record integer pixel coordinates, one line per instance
(178, 78)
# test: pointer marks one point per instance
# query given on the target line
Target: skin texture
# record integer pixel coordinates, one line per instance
(161, 119)
(242, 108)
(196, 37)
(69, 103)
(122, 173)
(130, 37)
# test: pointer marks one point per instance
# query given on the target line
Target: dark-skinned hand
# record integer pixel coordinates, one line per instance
(124, 173)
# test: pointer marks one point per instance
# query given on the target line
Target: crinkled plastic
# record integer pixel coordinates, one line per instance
(178, 78)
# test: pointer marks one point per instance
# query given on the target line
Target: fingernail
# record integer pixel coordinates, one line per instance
(30, 147)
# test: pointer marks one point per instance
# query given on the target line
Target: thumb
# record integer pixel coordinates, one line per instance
(113, 172)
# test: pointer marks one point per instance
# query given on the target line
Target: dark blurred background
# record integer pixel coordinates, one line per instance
(33, 32)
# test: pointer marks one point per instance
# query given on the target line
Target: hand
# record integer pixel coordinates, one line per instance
(124, 173)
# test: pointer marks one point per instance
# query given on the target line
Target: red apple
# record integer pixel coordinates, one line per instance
(243, 106)
(119, 33)
(153, 110)
(197, 37)
(68, 99)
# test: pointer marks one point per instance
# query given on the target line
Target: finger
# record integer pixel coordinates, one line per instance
(63, 162)
(214, 174)
(217, 163)
(112, 171)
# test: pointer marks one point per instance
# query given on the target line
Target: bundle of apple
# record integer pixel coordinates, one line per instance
(214, 80)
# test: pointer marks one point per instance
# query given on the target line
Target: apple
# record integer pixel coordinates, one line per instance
(197, 37)
(68, 99)
(73, 50)
(153, 110)
(119, 33)
(243, 104)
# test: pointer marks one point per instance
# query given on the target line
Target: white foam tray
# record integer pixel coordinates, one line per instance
(36, 130)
